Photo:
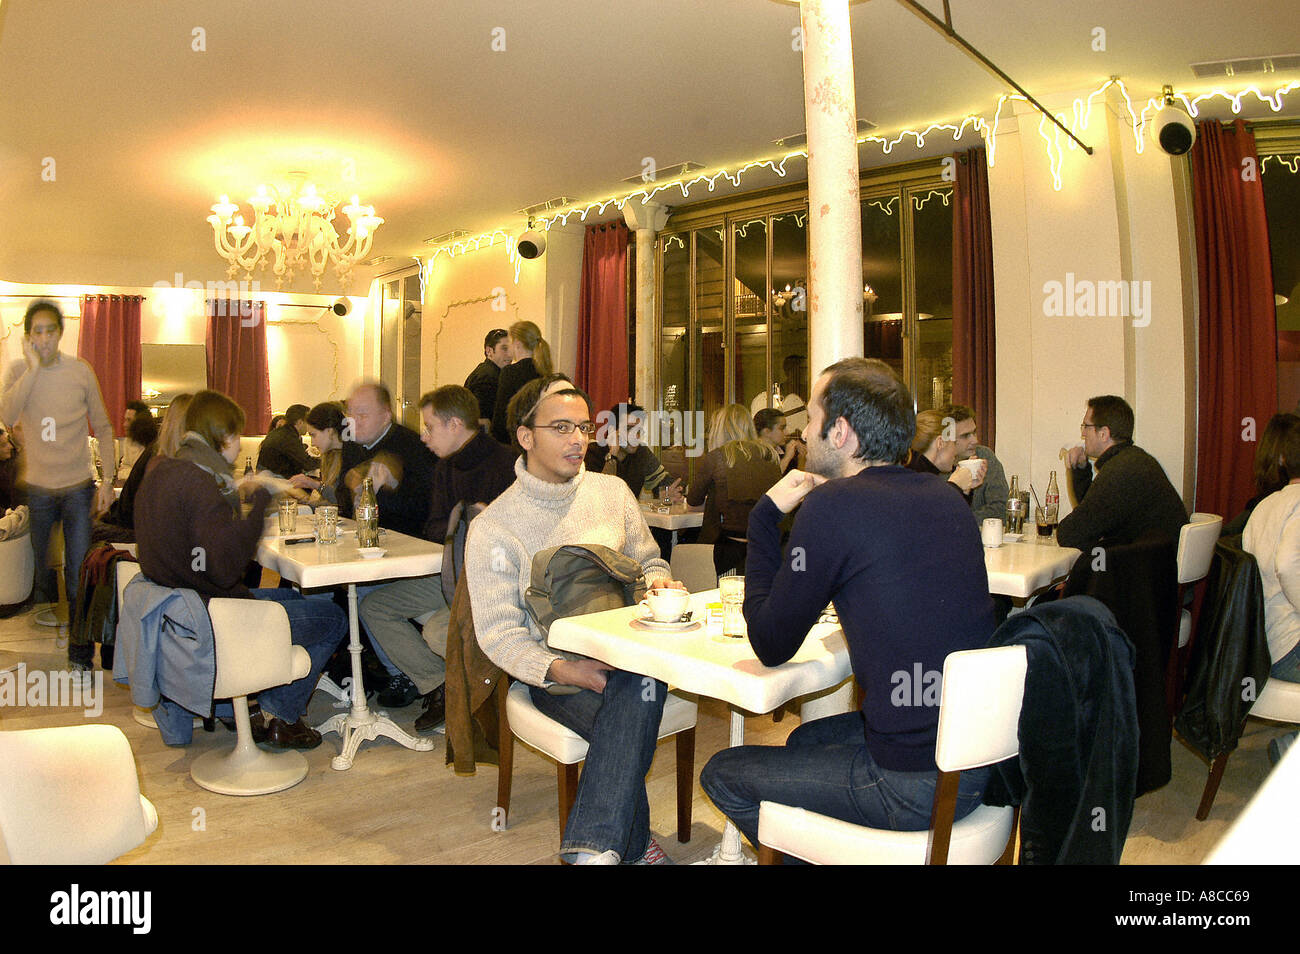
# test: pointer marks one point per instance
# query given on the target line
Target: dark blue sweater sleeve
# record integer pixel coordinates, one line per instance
(785, 595)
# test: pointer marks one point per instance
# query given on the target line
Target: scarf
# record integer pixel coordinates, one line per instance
(201, 454)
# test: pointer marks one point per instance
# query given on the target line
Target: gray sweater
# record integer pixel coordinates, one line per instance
(531, 515)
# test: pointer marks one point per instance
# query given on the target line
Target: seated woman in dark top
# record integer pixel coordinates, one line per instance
(733, 476)
(1271, 474)
(118, 525)
(189, 505)
(933, 453)
(325, 425)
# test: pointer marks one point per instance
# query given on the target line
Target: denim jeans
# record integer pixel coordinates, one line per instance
(825, 767)
(71, 507)
(1288, 667)
(621, 726)
(318, 626)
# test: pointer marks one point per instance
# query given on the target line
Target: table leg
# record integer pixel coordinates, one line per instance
(730, 851)
(360, 724)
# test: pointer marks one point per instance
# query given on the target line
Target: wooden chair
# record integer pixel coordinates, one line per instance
(979, 715)
(519, 717)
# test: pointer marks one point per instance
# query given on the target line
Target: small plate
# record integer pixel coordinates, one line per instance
(650, 623)
(1013, 538)
(371, 553)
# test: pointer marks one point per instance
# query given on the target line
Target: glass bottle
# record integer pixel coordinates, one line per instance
(367, 515)
(1052, 503)
(248, 467)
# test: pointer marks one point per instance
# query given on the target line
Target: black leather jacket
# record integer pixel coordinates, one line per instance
(1230, 658)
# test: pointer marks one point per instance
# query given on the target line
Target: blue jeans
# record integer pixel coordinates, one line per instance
(318, 626)
(71, 507)
(1288, 667)
(621, 727)
(825, 767)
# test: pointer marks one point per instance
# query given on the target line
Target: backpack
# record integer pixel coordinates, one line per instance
(453, 551)
(576, 579)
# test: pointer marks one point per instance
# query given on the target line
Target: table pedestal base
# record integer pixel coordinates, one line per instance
(360, 724)
(364, 726)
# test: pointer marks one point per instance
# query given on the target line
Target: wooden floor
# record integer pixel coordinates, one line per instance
(395, 806)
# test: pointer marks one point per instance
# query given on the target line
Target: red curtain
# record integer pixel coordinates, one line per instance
(109, 341)
(237, 363)
(602, 315)
(974, 351)
(1238, 334)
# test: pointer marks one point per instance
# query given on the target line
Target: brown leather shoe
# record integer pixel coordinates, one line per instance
(282, 735)
(256, 723)
(435, 711)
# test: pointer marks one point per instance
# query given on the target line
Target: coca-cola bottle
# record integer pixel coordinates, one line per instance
(367, 515)
(1052, 503)
(248, 467)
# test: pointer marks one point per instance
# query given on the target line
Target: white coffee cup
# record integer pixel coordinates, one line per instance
(667, 605)
(991, 532)
(973, 464)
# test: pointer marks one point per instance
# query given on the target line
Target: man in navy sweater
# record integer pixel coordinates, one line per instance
(901, 558)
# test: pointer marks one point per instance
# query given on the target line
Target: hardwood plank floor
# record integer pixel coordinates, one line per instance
(400, 807)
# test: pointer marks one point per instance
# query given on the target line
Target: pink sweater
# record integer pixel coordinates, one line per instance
(52, 404)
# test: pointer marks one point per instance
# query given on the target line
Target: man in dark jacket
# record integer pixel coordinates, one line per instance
(282, 451)
(392, 455)
(482, 381)
(471, 466)
(1130, 497)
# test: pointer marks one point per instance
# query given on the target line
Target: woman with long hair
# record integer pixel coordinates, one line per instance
(192, 534)
(532, 359)
(118, 525)
(733, 476)
(325, 425)
(934, 453)
(1271, 474)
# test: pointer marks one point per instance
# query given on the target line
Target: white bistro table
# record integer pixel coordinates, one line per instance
(674, 520)
(718, 667)
(313, 565)
(1021, 569)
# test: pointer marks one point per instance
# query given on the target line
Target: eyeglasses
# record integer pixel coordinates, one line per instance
(568, 427)
(1086, 424)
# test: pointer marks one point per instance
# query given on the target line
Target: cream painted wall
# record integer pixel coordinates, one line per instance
(467, 296)
(1112, 220)
(312, 354)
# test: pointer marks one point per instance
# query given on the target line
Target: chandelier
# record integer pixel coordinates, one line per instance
(293, 230)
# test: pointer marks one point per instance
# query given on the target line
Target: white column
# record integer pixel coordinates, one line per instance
(834, 222)
(646, 220)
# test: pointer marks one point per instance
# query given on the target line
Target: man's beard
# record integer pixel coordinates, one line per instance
(821, 459)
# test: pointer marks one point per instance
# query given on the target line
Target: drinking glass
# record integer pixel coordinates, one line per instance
(288, 515)
(327, 524)
(732, 591)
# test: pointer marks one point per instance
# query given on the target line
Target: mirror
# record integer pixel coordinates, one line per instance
(172, 369)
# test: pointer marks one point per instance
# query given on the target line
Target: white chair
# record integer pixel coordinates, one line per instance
(17, 568)
(979, 714)
(692, 563)
(1195, 551)
(568, 749)
(254, 652)
(70, 796)
(1278, 702)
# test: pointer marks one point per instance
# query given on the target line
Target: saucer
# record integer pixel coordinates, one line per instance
(371, 553)
(1013, 538)
(652, 624)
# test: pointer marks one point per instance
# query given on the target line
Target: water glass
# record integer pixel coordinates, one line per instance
(288, 515)
(732, 591)
(327, 524)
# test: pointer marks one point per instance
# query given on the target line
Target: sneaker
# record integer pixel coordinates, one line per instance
(1277, 747)
(654, 855)
(604, 858)
(400, 692)
(82, 672)
(435, 711)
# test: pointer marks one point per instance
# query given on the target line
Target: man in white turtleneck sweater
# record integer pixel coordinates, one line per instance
(556, 501)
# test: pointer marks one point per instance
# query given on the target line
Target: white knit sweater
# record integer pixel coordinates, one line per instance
(529, 516)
